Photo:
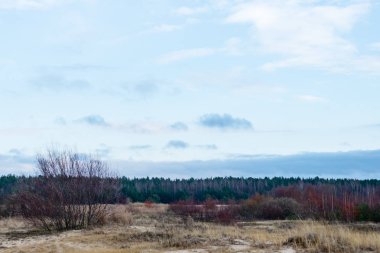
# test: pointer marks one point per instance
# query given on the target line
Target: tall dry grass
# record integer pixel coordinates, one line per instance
(140, 228)
(118, 214)
(338, 238)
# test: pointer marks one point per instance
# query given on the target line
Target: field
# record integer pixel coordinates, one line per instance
(142, 228)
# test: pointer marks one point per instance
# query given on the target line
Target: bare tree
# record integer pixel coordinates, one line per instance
(72, 192)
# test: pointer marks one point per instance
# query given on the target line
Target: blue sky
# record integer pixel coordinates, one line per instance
(151, 83)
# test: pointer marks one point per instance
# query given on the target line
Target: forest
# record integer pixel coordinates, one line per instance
(317, 198)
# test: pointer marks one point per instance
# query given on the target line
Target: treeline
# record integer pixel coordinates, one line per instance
(263, 198)
(7, 186)
(343, 199)
(227, 188)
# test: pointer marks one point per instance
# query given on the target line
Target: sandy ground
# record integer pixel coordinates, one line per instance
(114, 239)
(155, 230)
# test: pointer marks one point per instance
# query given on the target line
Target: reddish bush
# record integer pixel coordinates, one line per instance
(227, 215)
(186, 208)
(207, 211)
(148, 204)
(210, 204)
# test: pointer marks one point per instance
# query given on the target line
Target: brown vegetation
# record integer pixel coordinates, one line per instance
(138, 228)
(258, 207)
(72, 192)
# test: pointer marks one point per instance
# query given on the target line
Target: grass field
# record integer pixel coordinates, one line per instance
(139, 228)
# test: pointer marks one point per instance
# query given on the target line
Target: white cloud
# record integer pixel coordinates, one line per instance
(367, 64)
(189, 11)
(231, 47)
(311, 98)
(303, 33)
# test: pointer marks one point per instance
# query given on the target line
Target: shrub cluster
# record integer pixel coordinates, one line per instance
(257, 207)
(266, 208)
(209, 210)
(72, 192)
(269, 208)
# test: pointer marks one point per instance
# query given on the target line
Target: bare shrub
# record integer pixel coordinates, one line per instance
(279, 208)
(4, 211)
(208, 211)
(248, 208)
(227, 215)
(72, 192)
(187, 208)
(260, 207)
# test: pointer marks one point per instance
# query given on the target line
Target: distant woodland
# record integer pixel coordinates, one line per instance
(338, 199)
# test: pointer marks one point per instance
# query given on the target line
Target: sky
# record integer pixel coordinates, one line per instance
(193, 88)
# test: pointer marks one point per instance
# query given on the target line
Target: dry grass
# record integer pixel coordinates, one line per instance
(319, 237)
(139, 228)
(12, 224)
(118, 214)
